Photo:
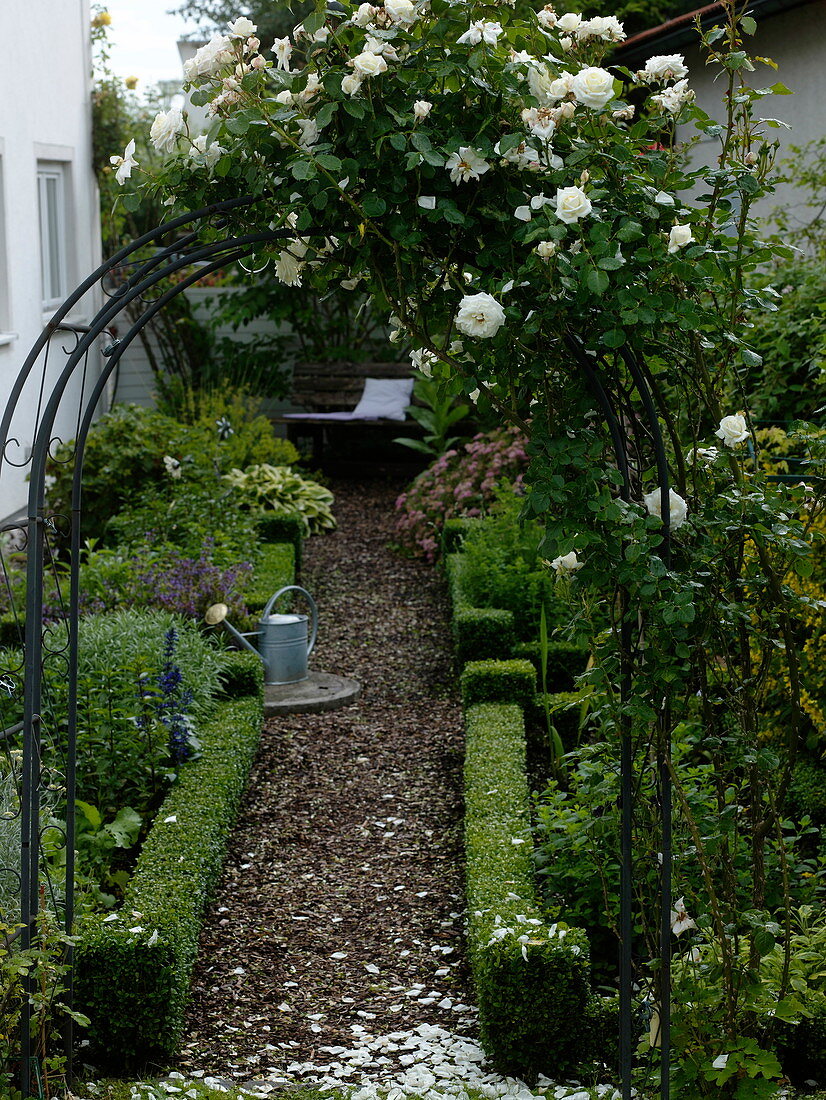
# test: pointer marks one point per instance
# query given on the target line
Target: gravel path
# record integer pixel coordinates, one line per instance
(340, 907)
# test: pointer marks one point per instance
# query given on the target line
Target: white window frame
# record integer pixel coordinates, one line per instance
(52, 204)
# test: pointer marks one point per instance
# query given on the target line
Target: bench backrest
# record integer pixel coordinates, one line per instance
(333, 387)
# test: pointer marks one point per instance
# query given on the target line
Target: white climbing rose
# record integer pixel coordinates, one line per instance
(733, 430)
(593, 86)
(480, 315)
(677, 507)
(572, 204)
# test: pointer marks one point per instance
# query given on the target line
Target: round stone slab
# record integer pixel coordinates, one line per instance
(320, 691)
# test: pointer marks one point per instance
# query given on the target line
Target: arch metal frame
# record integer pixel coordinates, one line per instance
(190, 256)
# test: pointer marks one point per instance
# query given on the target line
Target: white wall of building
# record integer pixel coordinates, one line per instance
(45, 175)
(796, 41)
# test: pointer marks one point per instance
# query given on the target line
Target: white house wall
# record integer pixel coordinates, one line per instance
(796, 41)
(45, 120)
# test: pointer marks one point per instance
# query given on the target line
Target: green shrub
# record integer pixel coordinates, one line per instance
(280, 489)
(566, 661)
(563, 708)
(275, 569)
(133, 973)
(184, 515)
(502, 567)
(123, 751)
(125, 452)
(478, 632)
(498, 682)
(454, 532)
(807, 794)
(279, 527)
(462, 482)
(243, 674)
(531, 978)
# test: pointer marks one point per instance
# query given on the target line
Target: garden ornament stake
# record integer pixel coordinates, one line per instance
(283, 646)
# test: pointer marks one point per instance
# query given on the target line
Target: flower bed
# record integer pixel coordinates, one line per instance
(134, 966)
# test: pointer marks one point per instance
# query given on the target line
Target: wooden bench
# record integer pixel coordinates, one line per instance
(328, 392)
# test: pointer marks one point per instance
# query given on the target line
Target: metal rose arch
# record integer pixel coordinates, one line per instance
(38, 743)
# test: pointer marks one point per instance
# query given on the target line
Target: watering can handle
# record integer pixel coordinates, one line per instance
(310, 601)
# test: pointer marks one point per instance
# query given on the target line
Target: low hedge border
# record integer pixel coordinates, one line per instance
(498, 682)
(277, 527)
(564, 663)
(275, 569)
(133, 968)
(478, 632)
(531, 978)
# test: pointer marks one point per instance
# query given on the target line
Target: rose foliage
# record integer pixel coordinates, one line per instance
(522, 210)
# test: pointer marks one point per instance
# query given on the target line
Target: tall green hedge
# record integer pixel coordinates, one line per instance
(531, 978)
(134, 967)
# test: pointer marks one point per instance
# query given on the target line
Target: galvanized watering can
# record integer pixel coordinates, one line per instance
(283, 647)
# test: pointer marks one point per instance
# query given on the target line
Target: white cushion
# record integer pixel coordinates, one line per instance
(384, 398)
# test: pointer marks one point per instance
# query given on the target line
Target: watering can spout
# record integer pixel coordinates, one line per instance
(217, 616)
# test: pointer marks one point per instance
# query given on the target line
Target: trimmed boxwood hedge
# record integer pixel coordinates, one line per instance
(277, 527)
(275, 569)
(531, 978)
(498, 682)
(133, 971)
(478, 632)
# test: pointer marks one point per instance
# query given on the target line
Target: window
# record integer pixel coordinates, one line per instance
(51, 197)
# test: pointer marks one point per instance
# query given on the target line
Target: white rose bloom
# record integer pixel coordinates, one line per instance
(662, 198)
(365, 14)
(288, 269)
(480, 31)
(679, 237)
(309, 132)
(201, 153)
(369, 64)
(466, 165)
(566, 43)
(733, 430)
(606, 27)
(546, 249)
(242, 27)
(124, 164)
(285, 97)
(172, 466)
(351, 83)
(677, 507)
(561, 86)
(547, 17)
(670, 66)
(681, 922)
(540, 121)
(568, 22)
(427, 202)
(523, 213)
(706, 455)
(675, 98)
(422, 108)
(401, 11)
(165, 129)
(572, 204)
(312, 87)
(540, 82)
(480, 315)
(566, 564)
(593, 86)
(210, 58)
(282, 48)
